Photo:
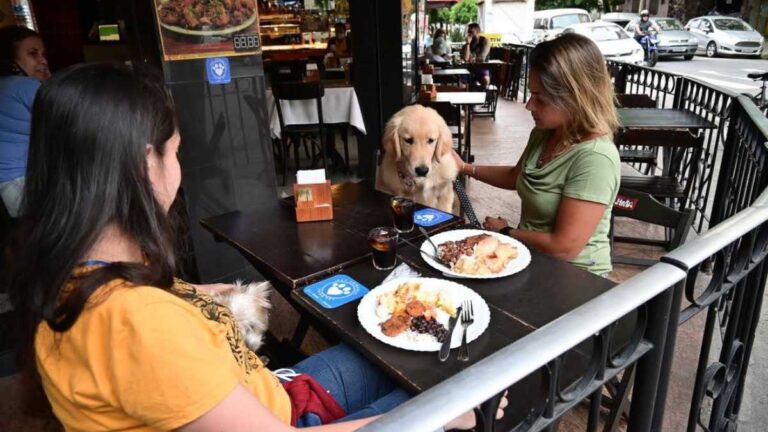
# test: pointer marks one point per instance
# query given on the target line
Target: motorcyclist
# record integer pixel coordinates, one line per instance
(644, 27)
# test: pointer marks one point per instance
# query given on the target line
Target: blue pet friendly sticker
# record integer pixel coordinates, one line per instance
(430, 217)
(217, 70)
(335, 291)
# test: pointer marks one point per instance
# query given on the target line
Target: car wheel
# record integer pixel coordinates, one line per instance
(688, 57)
(711, 49)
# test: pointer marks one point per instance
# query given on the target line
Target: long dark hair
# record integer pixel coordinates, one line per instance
(10, 38)
(87, 168)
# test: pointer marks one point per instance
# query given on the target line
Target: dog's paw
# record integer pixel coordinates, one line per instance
(250, 306)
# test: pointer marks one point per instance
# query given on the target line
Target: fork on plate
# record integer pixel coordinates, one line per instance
(467, 319)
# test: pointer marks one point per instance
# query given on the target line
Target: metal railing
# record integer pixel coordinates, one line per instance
(732, 298)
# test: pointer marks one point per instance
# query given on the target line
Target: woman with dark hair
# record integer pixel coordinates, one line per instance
(119, 343)
(22, 67)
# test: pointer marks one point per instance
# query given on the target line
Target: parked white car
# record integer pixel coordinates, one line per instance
(725, 35)
(548, 24)
(612, 40)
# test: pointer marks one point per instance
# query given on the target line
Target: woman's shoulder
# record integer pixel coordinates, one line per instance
(601, 146)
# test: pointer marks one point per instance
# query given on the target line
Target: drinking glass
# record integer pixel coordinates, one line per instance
(383, 241)
(402, 213)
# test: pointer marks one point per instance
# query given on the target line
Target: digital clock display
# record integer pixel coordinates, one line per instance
(246, 42)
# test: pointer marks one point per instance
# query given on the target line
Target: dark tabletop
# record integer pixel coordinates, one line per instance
(292, 253)
(662, 118)
(519, 305)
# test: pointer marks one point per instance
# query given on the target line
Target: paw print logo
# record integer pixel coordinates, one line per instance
(338, 289)
(426, 218)
(219, 68)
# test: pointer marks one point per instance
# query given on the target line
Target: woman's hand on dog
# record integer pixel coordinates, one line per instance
(459, 161)
(495, 223)
(217, 288)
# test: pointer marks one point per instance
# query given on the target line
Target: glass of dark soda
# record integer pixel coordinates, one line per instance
(402, 213)
(383, 241)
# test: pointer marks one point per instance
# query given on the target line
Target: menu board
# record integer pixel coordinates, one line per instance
(195, 29)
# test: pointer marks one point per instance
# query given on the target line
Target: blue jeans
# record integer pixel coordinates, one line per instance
(357, 385)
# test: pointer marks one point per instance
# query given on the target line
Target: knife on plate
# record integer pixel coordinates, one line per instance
(445, 349)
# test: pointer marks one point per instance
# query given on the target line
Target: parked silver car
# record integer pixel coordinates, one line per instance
(674, 40)
(725, 35)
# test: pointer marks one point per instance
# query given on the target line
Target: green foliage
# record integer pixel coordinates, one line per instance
(440, 16)
(457, 35)
(464, 12)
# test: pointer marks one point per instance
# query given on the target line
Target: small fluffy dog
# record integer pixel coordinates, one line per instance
(417, 159)
(250, 305)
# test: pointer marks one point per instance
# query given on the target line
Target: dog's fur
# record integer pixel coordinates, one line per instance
(250, 306)
(407, 142)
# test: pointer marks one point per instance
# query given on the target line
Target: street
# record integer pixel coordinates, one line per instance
(724, 72)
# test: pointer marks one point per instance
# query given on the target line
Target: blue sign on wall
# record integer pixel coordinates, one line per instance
(217, 69)
(430, 217)
(335, 291)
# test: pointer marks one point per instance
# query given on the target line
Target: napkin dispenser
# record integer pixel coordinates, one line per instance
(428, 92)
(312, 194)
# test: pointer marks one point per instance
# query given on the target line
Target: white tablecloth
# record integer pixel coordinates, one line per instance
(340, 105)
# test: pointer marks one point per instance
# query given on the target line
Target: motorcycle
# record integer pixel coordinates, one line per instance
(649, 43)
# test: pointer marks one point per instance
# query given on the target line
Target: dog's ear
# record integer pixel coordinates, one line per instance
(444, 141)
(391, 141)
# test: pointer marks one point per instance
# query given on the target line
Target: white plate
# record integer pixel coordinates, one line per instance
(514, 266)
(226, 31)
(366, 314)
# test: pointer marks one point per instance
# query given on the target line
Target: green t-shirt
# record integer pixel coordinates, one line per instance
(588, 171)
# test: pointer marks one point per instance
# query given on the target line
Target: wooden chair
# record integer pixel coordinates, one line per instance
(679, 146)
(491, 91)
(298, 134)
(286, 70)
(643, 207)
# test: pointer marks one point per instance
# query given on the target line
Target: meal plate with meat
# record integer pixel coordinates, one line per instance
(206, 17)
(477, 254)
(413, 314)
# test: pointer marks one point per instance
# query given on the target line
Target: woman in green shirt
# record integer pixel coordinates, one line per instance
(568, 175)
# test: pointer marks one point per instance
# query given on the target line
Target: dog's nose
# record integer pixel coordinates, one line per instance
(422, 170)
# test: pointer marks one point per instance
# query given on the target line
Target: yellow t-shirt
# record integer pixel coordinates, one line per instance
(143, 359)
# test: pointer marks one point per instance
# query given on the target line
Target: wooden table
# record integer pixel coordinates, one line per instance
(291, 254)
(519, 304)
(662, 118)
(294, 255)
(466, 100)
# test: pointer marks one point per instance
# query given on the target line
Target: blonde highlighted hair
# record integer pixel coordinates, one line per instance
(575, 79)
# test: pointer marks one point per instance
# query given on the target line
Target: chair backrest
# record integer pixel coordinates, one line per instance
(286, 71)
(645, 208)
(293, 91)
(635, 101)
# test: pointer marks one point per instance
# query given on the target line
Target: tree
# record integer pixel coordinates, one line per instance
(464, 12)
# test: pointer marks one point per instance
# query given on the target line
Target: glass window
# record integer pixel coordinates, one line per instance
(561, 21)
(731, 25)
(694, 24)
(606, 33)
(540, 23)
(668, 24)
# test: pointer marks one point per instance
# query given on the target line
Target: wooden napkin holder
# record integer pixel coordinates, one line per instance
(428, 92)
(313, 202)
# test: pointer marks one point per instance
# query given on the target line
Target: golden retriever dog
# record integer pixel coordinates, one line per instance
(417, 159)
